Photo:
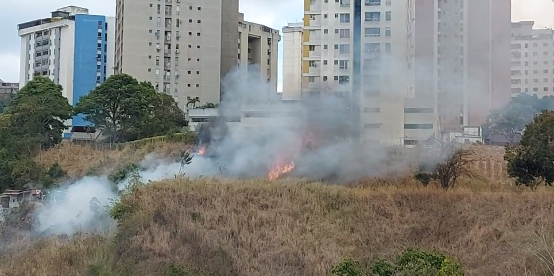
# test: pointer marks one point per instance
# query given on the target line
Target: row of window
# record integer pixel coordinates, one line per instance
(518, 72)
(535, 89)
(411, 110)
(406, 126)
(368, 32)
(345, 48)
(346, 3)
(518, 81)
(518, 63)
(368, 17)
(526, 54)
(516, 46)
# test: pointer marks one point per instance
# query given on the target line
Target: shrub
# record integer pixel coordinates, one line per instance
(411, 262)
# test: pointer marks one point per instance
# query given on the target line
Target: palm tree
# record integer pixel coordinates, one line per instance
(192, 101)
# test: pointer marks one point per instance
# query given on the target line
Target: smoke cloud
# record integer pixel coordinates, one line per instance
(313, 135)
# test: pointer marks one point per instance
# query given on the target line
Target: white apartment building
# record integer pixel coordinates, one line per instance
(292, 61)
(364, 50)
(73, 49)
(532, 60)
(462, 53)
(185, 48)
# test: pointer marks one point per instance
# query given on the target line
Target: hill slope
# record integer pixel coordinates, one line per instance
(253, 227)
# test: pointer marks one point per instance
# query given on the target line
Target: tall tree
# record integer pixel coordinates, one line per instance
(532, 161)
(161, 116)
(5, 102)
(35, 120)
(38, 113)
(113, 105)
(512, 119)
(125, 109)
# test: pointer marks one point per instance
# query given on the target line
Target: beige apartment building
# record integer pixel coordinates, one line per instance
(258, 46)
(532, 60)
(185, 48)
(462, 50)
(8, 89)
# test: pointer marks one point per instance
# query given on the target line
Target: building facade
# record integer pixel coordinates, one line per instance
(462, 53)
(364, 51)
(73, 49)
(532, 60)
(185, 48)
(8, 89)
(292, 61)
(258, 46)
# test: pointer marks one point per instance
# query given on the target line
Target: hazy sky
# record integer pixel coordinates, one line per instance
(272, 13)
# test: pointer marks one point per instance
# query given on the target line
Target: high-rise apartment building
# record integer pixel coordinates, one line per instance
(72, 48)
(364, 51)
(292, 61)
(258, 45)
(8, 89)
(185, 48)
(462, 50)
(532, 60)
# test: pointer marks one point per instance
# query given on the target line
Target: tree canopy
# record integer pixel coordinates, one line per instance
(125, 109)
(532, 161)
(34, 121)
(512, 119)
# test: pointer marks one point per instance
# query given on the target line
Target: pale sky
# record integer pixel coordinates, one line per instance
(273, 13)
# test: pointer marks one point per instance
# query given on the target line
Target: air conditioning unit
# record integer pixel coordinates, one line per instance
(177, 51)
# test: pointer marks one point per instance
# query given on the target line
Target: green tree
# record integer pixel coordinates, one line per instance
(38, 113)
(161, 116)
(125, 109)
(532, 161)
(192, 102)
(113, 106)
(34, 121)
(411, 262)
(512, 119)
(5, 102)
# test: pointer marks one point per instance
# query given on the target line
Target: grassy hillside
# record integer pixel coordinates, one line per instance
(259, 227)
(291, 227)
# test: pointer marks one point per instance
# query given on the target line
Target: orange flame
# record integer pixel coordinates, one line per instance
(280, 168)
(202, 150)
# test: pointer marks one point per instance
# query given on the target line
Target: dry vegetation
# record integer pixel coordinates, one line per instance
(290, 227)
(78, 160)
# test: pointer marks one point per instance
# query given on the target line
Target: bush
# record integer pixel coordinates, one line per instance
(123, 172)
(411, 262)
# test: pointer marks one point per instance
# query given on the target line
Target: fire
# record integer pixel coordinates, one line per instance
(202, 150)
(281, 167)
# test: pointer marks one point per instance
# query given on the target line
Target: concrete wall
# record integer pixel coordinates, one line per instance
(292, 62)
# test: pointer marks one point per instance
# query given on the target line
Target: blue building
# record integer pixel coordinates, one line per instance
(74, 49)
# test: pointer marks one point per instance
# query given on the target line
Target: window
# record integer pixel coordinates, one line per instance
(343, 33)
(344, 80)
(388, 16)
(372, 126)
(418, 110)
(418, 126)
(343, 48)
(344, 18)
(373, 32)
(373, 16)
(372, 110)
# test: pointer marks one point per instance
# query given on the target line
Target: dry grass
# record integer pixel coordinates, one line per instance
(78, 160)
(259, 227)
(293, 227)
